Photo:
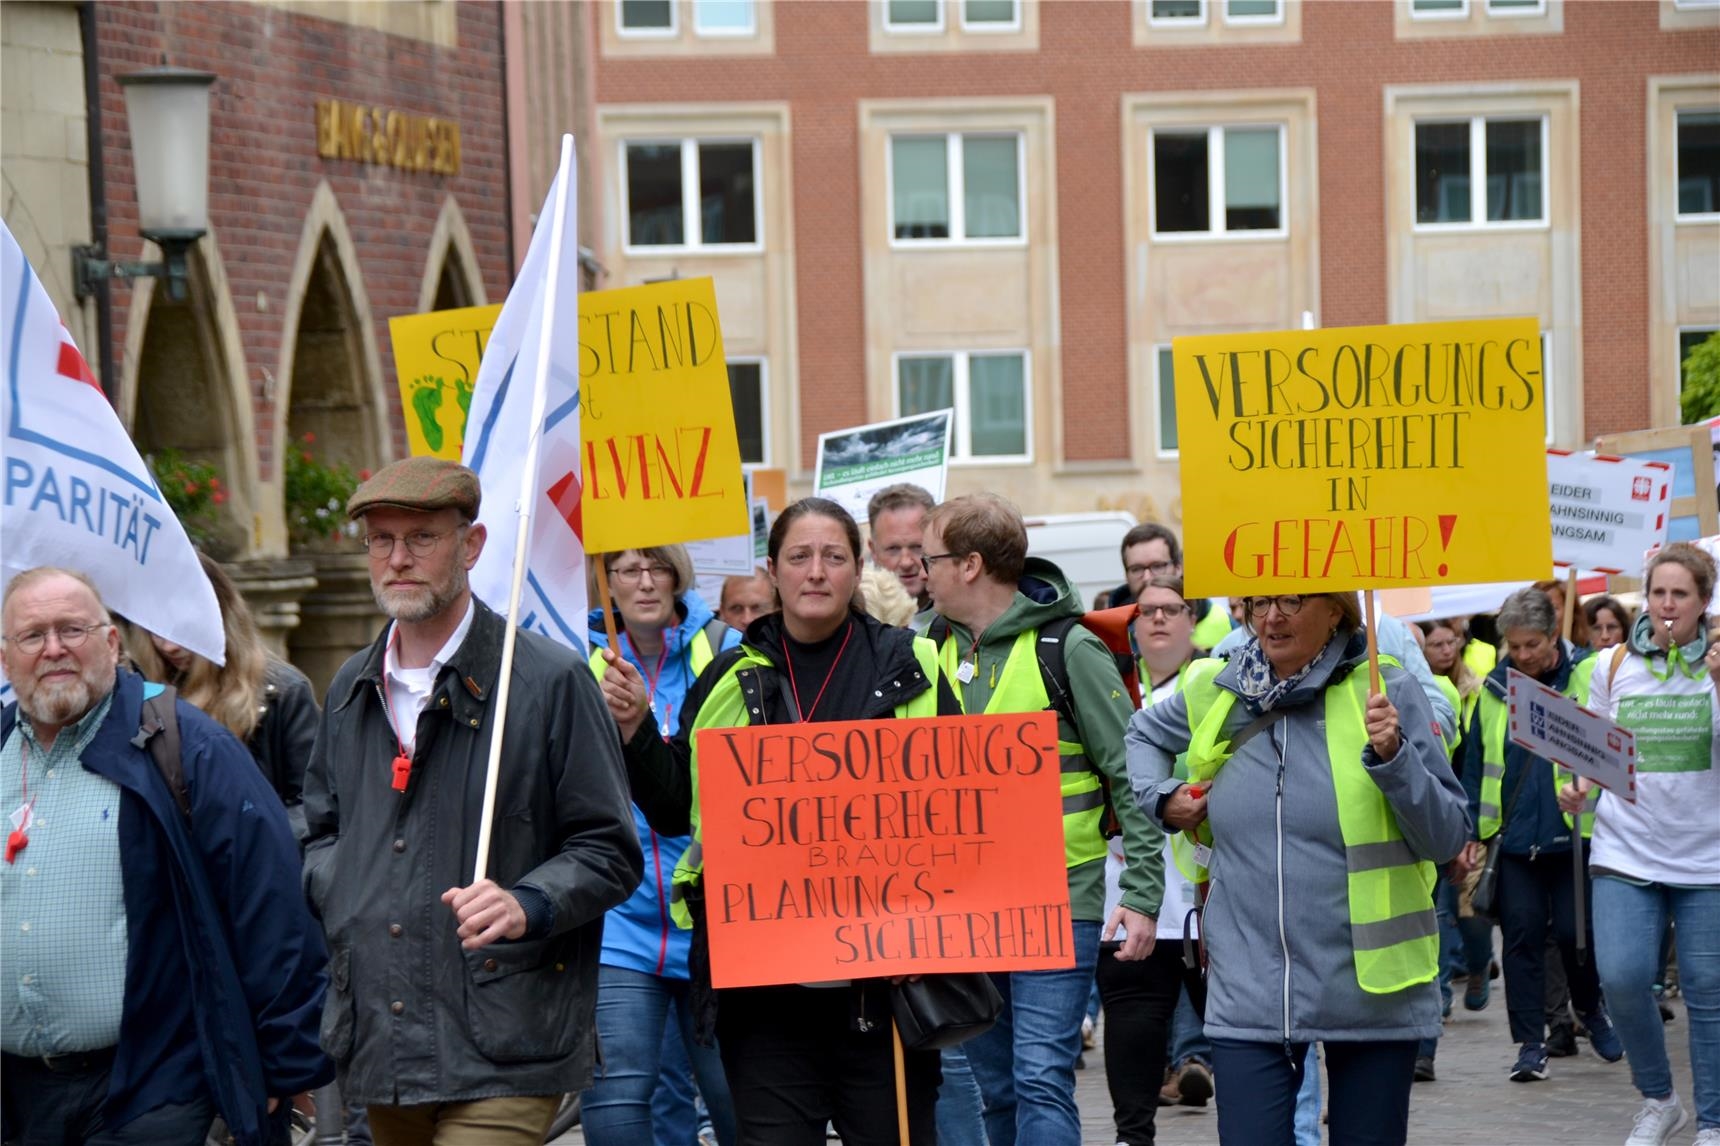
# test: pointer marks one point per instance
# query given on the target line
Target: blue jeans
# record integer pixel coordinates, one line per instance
(633, 1010)
(1450, 953)
(1370, 1084)
(1188, 1033)
(1307, 1121)
(1628, 924)
(1026, 1063)
(675, 1104)
(961, 1111)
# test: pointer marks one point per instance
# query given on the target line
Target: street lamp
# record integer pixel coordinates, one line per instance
(167, 110)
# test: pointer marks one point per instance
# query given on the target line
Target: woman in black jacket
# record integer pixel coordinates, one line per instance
(797, 1056)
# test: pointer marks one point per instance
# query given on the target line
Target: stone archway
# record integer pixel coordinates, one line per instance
(451, 276)
(184, 387)
(331, 389)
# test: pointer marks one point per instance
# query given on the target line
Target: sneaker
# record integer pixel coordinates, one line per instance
(1709, 1136)
(1194, 1080)
(1171, 1092)
(1531, 1063)
(1602, 1036)
(1561, 1042)
(1424, 1068)
(1087, 1032)
(1493, 969)
(1476, 994)
(1666, 1013)
(1081, 1061)
(1658, 1120)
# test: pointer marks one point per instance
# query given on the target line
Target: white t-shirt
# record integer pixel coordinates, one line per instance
(1672, 833)
(409, 688)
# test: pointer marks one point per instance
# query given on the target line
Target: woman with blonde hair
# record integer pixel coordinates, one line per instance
(257, 696)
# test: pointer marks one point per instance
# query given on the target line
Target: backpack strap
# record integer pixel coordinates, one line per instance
(1054, 668)
(159, 731)
(938, 631)
(1618, 656)
(715, 630)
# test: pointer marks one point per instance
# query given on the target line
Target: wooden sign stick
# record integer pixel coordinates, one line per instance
(901, 1083)
(1373, 649)
(1570, 621)
(608, 608)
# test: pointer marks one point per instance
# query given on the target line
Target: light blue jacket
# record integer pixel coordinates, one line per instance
(639, 935)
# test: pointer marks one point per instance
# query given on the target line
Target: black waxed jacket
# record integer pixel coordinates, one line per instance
(411, 1017)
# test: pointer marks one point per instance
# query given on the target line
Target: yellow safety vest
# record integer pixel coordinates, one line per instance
(699, 654)
(726, 707)
(1455, 699)
(1495, 721)
(1480, 656)
(1021, 688)
(1394, 934)
(1212, 628)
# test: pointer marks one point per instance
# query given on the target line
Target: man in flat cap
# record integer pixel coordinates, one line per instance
(459, 1012)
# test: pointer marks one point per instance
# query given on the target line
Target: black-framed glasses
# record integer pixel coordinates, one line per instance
(1156, 569)
(926, 560)
(419, 543)
(1289, 605)
(32, 641)
(1153, 612)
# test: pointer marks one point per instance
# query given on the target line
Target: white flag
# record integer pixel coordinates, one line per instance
(499, 430)
(77, 494)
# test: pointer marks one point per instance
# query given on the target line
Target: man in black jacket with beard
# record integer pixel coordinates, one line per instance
(459, 1012)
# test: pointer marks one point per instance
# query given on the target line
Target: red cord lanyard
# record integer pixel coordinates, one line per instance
(651, 681)
(18, 838)
(806, 713)
(401, 768)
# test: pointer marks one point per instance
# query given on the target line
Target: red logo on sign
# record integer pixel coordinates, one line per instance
(1614, 741)
(1640, 488)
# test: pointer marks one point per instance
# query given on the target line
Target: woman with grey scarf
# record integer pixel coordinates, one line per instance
(1321, 812)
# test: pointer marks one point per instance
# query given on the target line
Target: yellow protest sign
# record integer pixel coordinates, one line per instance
(1362, 457)
(662, 460)
(436, 359)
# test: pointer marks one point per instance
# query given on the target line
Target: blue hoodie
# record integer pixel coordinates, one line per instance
(639, 935)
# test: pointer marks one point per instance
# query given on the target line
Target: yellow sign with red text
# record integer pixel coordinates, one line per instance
(1373, 457)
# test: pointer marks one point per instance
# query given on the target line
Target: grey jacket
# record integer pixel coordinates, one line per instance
(411, 1017)
(1277, 920)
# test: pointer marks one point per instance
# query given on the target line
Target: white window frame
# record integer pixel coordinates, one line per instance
(961, 442)
(689, 197)
(1460, 13)
(1271, 21)
(936, 28)
(1677, 215)
(1159, 383)
(1215, 185)
(669, 33)
(1198, 21)
(1478, 220)
(763, 365)
(1695, 5)
(1496, 13)
(986, 28)
(727, 33)
(957, 190)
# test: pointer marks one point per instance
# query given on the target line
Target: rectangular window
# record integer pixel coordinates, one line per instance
(1171, 13)
(1689, 338)
(1219, 180)
(1481, 171)
(914, 15)
(752, 409)
(1516, 7)
(1165, 402)
(692, 193)
(964, 188)
(646, 17)
(1252, 11)
(1698, 163)
(991, 15)
(988, 392)
(1438, 9)
(724, 18)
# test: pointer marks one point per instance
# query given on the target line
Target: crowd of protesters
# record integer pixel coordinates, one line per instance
(1274, 858)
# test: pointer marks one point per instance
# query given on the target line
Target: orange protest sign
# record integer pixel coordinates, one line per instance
(871, 848)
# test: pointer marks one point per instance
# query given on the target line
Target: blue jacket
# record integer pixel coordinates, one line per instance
(1535, 824)
(639, 935)
(226, 970)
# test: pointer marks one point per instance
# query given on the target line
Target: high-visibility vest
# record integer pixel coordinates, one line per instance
(699, 652)
(1212, 628)
(1394, 934)
(1495, 719)
(1453, 698)
(1480, 656)
(726, 706)
(1021, 688)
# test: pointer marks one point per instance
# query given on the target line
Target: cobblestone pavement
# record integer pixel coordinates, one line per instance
(1586, 1102)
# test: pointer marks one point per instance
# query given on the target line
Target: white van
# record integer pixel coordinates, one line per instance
(1086, 546)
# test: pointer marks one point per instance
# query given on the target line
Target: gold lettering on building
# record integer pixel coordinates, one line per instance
(387, 138)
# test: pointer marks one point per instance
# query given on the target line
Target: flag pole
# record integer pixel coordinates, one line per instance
(527, 495)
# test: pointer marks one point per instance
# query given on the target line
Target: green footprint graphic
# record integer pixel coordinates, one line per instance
(426, 400)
